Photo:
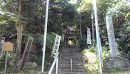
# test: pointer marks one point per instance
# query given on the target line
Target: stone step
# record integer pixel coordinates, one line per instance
(73, 67)
(72, 73)
(64, 70)
(54, 73)
(70, 64)
(72, 55)
(69, 60)
(80, 63)
(79, 66)
(73, 70)
(64, 67)
(62, 64)
(65, 61)
(77, 60)
(78, 70)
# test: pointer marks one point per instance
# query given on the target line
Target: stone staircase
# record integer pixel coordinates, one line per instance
(71, 60)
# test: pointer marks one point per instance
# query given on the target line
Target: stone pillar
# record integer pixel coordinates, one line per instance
(111, 36)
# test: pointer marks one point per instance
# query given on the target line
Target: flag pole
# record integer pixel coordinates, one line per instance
(97, 34)
(45, 34)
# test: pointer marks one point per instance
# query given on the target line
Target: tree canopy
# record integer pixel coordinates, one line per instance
(62, 13)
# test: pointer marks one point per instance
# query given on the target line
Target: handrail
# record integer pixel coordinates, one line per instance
(71, 64)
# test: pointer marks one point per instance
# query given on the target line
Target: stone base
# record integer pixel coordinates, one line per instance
(115, 63)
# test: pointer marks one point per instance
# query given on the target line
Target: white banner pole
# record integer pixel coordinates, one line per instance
(45, 33)
(53, 64)
(57, 65)
(97, 34)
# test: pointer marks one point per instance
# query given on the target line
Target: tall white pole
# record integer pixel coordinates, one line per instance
(97, 34)
(45, 33)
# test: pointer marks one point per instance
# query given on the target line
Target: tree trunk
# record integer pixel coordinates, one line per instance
(80, 27)
(19, 28)
(40, 26)
(111, 36)
(19, 39)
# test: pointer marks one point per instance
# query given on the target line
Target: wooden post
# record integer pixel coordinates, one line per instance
(26, 51)
(6, 61)
(65, 40)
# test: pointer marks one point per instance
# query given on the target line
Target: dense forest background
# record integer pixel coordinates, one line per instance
(27, 17)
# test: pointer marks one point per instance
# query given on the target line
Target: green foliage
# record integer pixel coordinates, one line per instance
(82, 43)
(12, 67)
(38, 60)
(115, 9)
(93, 50)
(11, 63)
(128, 28)
(91, 58)
(105, 52)
(62, 13)
(125, 54)
(50, 40)
(48, 59)
(123, 40)
(38, 39)
(2, 61)
(3, 21)
(120, 12)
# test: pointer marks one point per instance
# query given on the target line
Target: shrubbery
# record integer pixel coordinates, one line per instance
(82, 43)
(91, 57)
(2, 61)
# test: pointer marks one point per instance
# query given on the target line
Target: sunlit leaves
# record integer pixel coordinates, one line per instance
(116, 8)
(2, 21)
(84, 5)
(128, 28)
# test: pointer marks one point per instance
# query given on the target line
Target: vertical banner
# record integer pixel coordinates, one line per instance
(88, 36)
(56, 45)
